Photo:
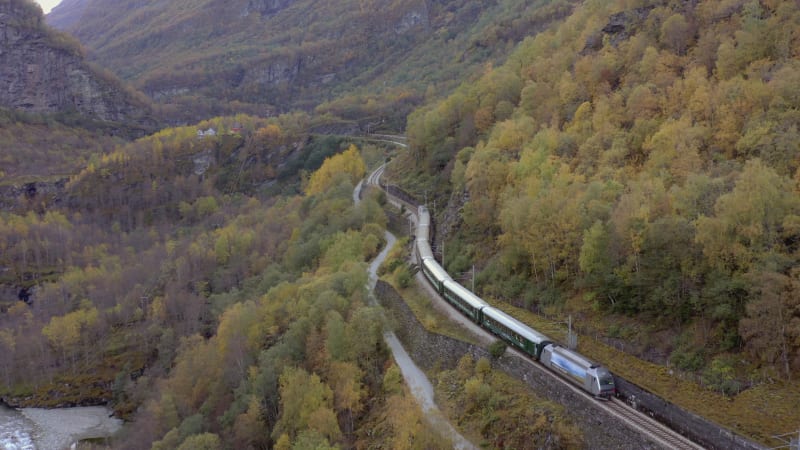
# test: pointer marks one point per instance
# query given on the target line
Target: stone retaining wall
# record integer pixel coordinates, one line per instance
(698, 429)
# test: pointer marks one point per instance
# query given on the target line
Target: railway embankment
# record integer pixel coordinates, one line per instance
(434, 351)
(602, 430)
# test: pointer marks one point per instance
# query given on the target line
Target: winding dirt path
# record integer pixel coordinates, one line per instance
(415, 378)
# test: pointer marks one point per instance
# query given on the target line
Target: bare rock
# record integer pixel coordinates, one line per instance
(44, 71)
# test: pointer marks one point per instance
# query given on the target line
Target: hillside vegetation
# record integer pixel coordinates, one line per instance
(41, 148)
(212, 289)
(366, 60)
(636, 167)
(196, 302)
(634, 164)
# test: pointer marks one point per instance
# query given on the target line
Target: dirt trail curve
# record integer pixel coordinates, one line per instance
(437, 301)
(415, 378)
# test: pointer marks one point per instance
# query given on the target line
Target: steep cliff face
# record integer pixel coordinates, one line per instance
(43, 71)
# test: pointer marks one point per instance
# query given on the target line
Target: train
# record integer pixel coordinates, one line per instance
(569, 364)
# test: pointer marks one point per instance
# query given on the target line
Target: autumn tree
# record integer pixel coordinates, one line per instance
(72, 332)
(771, 326)
(348, 392)
(205, 441)
(676, 33)
(748, 224)
(348, 164)
(306, 404)
(249, 429)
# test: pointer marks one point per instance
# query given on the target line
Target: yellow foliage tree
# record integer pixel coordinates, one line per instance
(306, 404)
(66, 332)
(348, 163)
(748, 222)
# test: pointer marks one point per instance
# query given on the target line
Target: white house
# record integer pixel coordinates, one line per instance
(209, 132)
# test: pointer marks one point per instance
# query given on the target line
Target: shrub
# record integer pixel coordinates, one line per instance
(483, 368)
(720, 376)
(402, 276)
(688, 359)
(497, 348)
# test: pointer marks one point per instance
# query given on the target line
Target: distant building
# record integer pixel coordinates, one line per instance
(209, 132)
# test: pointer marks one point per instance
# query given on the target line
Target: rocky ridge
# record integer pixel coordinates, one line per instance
(44, 71)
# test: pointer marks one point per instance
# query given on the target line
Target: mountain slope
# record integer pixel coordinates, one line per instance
(66, 14)
(380, 56)
(637, 168)
(43, 71)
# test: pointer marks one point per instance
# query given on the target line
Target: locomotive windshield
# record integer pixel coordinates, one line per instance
(605, 378)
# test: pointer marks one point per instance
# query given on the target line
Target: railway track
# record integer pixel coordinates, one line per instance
(643, 423)
(375, 177)
(636, 420)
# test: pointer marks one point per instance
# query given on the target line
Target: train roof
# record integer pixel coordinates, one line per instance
(422, 235)
(465, 294)
(575, 357)
(423, 216)
(515, 325)
(424, 249)
(434, 267)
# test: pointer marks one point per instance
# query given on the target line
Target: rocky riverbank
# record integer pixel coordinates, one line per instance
(60, 428)
(54, 429)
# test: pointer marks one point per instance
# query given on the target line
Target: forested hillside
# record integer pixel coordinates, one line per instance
(42, 148)
(370, 61)
(90, 251)
(212, 289)
(636, 167)
(196, 301)
(634, 164)
(208, 281)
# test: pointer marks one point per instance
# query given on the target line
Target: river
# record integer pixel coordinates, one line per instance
(16, 431)
(54, 429)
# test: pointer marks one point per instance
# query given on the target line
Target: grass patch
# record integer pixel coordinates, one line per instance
(495, 410)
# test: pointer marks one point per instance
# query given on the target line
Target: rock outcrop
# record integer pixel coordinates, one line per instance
(20, 198)
(44, 71)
